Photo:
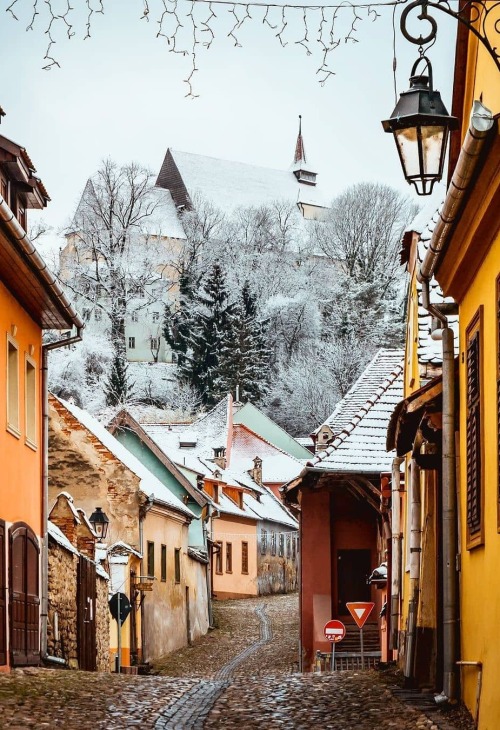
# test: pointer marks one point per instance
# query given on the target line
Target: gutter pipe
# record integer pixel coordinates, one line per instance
(45, 480)
(480, 125)
(39, 266)
(415, 552)
(396, 560)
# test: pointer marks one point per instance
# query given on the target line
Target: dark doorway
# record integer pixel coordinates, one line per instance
(24, 604)
(353, 568)
(3, 606)
(87, 646)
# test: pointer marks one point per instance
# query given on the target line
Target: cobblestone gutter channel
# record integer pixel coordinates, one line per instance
(191, 710)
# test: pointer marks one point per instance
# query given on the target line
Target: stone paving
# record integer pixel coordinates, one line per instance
(244, 672)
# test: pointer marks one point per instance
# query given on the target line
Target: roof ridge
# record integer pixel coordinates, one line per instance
(361, 413)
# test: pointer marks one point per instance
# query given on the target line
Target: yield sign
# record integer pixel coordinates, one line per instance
(360, 612)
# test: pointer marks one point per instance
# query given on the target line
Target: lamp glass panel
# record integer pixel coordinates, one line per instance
(432, 148)
(407, 142)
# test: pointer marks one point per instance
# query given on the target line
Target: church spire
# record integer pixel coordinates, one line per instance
(299, 167)
(300, 153)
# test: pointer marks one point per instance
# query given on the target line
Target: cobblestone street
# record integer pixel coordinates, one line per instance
(242, 673)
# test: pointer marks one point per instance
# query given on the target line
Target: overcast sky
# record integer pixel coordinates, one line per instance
(121, 94)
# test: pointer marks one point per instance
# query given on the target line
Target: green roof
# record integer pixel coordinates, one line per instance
(250, 416)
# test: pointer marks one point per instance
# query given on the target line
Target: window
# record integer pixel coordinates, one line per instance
(21, 217)
(229, 557)
(163, 563)
(273, 543)
(131, 343)
(244, 558)
(151, 559)
(473, 368)
(12, 387)
(155, 343)
(218, 558)
(282, 545)
(294, 547)
(156, 316)
(263, 542)
(86, 314)
(177, 565)
(30, 401)
(288, 547)
(135, 316)
(98, 314)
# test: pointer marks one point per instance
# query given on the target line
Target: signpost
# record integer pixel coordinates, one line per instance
(360, 611)
(334, 632)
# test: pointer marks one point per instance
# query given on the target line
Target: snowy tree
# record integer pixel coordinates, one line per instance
(243, 359)
(363, 231)
(115, 253)
(209, 327)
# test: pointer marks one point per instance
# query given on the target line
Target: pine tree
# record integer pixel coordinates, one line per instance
(177, 320)
(208, 328)
(243, 358)
(118, 388)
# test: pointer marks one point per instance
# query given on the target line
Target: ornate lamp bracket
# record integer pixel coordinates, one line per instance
(481, 17)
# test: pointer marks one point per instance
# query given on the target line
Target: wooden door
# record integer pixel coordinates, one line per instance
(353, 568)
(87, 645)
(3, 606)
(24, 599)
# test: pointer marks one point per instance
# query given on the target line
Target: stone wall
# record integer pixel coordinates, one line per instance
(102, 625)
(63, 571)
(62, 626)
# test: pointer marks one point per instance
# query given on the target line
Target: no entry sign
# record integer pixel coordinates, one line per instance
(334, 631)
(360, 611)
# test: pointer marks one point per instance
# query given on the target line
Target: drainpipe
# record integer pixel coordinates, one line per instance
(415, 551)
(480, 125)
(45, 483)
(396, 561)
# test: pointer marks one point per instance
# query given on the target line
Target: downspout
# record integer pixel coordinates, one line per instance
(45, 485)
(480, 125)
(396, 561)
(415, 551)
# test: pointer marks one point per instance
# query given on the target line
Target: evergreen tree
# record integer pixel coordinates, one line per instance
(177, 320)
(209, 325)
(243, 358)
(118, 387)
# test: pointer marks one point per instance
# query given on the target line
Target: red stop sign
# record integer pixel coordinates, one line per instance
(334, 631)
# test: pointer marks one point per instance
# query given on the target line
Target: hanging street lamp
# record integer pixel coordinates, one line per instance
(99, 521)
(421, 125)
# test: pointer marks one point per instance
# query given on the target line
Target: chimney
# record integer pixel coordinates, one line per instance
(219, 457)
(256, 472)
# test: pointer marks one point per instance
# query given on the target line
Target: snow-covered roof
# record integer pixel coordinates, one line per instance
(361, 445)
(119, 548)
(257, 421)
(230, 185)
(149, 484)
(429, 350)
(269, 508)
(165, 220)
(377, 369)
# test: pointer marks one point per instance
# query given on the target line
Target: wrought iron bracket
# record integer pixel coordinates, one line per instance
(481, 17)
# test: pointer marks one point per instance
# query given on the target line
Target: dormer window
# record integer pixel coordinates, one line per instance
(309, 178)
(216, 493)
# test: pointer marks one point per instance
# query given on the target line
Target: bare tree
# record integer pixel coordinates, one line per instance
(115, 253)
(363, 231)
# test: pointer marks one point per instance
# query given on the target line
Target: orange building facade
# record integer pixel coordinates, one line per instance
(30, 301)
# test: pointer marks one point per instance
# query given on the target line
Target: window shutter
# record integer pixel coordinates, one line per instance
(474, 466)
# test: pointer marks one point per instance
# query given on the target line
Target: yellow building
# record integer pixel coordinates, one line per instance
(450, 426)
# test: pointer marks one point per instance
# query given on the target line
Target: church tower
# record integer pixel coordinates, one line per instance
(299, 167)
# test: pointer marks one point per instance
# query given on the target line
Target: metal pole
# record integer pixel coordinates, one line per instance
(119, 636)
(333, 657)
(362, 650)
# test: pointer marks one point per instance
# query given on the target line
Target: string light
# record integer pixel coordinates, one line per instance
(179, 18)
